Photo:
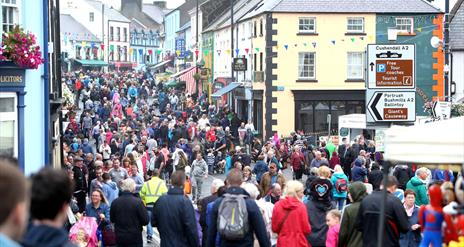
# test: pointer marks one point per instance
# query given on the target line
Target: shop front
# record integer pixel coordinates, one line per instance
(314, 109)
(258, 111)
(243, 103)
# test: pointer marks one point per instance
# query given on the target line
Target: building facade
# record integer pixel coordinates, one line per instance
(457, 52)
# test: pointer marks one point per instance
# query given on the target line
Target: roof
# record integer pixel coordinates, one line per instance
(154, 12)
(184, 27)
(344, 6)
(456, 34)
(110, 13)
(78, 31)
(241, 8)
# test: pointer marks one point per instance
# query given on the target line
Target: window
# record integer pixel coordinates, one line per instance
(91, 16)
(111, 33)
(355, 66)
(306, 65)
(10, 14)
(118, 49)
(255, 62)
(405, 24)
(260, 61)
(254, 29)
(118, 34)
(261, 27)
(8, 124)
(124, 32)
(355, 25)
(307, 25)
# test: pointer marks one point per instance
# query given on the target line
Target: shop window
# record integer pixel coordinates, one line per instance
(8, 124)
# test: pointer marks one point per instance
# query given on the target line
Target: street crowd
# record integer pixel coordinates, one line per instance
(137, 154)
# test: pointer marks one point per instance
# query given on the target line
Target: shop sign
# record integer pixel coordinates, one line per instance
(391, 106)
(12, 77)
(441, 110)
(240, 64)
(391, 66)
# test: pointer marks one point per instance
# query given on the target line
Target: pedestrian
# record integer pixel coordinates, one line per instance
(349, 236)
(137, 177)
(318, 205)
(97, 183)
(245, 227)
(403, 174)
(396, 220)
(199, 173)
(129, 216)
(109, 188)
(151, 191)
(118, 173)
(413, 237)
(98, 208)
(418, 184)
(80, 182)
(271, 177)
(359, 171)
(297, 161)
(202, 206)
(319, 160)
(340, 187)
(274, 194)
(248, 176)
(289, 218)
(173, 213)
(14, 209)
(375, 176)
(333, 221)
(260, 168)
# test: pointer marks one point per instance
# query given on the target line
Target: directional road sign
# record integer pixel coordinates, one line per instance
(441, 109)
(391, 106)
(391, 66)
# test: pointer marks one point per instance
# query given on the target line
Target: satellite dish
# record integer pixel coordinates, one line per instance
(435, 42)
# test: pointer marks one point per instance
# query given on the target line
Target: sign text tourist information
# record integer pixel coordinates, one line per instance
(391, 66)
(391, 106)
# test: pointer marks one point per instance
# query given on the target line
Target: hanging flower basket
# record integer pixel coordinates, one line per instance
(20, 48)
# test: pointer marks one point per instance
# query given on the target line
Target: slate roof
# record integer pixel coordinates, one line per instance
(241, 8)
(71, 25)
(112, 14)
(457, 26)
(154, 12)
(344, 6)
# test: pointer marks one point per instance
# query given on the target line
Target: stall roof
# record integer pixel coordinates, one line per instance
(440, 142)
(84, 62)
(226, 89)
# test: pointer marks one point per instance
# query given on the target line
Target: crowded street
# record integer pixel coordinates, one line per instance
(232, 123)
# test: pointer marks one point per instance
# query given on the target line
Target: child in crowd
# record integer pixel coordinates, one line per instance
(210, 161)
(333, 221)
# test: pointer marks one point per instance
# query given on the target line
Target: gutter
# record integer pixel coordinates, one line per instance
(46, 85)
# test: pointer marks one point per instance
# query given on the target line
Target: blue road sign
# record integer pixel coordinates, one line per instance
(381, 68)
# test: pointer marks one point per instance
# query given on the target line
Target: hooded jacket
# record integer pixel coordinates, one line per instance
(333, 179)
(349, 236)
(317, 211)
(358, 172)
(46, 236)
(420, 188)
(111, 191)
(293, 228)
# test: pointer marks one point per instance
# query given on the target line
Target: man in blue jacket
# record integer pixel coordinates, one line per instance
(174, 216)
(255, 219)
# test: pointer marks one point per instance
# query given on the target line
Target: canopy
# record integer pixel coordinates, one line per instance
(84, 62)
(159, 64)
(226, 89)
(440, 142)
(181, 72)
(171, 83)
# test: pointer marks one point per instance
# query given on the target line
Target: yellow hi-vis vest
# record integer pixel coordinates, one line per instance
(152, 190)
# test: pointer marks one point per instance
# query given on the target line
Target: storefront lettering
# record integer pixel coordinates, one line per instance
(11, 79)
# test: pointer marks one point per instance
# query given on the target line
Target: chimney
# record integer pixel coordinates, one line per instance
(160, 4)
(131, 2)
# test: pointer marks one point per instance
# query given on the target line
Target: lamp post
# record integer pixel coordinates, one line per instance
(446, 51)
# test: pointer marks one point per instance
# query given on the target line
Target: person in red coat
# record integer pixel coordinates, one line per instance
(289, 218)
(335, 160)
(298, 162)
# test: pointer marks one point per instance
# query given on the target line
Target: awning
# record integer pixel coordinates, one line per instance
(171, 83)
(123, 64)
(181, 72)
(84, 62)
(226, 89)
(159, 64)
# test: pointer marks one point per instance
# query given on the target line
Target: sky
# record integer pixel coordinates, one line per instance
(438, 3)
(171, 4)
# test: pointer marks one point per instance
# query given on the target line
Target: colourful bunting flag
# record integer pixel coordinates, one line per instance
(419, 29)
(131, 50)
(140, 51)
(352, 39)
(314, 44)
(84, 43)
(228, 51)
(371, 38)
(305, 44)
(158, 51)
(286, 47)
(333, 42)
(257, 49)
(296, 45)
(206, 52)
(177, 52)
(102, 46)
(247, 50)
(112, 47)
(219, 52)
(361, 38)
(237, 51)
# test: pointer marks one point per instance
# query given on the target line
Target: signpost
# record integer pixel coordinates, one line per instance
(388, 106)
(391, 66)
(239, 64)
(180, 46)
(391, 84)
(441, 110)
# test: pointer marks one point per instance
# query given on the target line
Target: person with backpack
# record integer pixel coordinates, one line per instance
(340, 187)
(236, 217)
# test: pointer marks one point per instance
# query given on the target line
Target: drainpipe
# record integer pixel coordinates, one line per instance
(46, 85)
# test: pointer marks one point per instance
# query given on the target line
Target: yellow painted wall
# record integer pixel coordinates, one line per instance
(331, 60)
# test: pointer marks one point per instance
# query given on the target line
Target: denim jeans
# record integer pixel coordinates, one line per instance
(149, 226)
(339, 202)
